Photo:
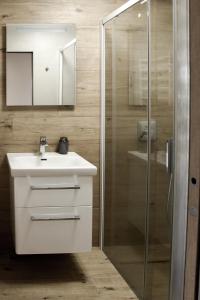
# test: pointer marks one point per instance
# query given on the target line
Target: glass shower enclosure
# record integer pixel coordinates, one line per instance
(138, 135)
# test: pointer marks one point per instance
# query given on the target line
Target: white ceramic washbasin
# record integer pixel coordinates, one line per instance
(24, 164)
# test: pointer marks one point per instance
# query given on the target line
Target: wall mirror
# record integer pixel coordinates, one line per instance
(40, 64)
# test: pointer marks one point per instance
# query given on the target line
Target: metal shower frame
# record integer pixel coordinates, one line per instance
(181, 132)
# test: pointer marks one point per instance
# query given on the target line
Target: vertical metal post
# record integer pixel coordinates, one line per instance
(102, 134)
(181, 154)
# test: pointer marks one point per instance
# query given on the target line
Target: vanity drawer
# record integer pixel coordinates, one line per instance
(52, 191)
(53, 229)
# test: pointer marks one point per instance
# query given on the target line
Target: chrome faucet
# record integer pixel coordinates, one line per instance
(43, 145)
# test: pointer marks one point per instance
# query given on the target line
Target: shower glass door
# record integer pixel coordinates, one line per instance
(138, 141)
(160, 197)
(126, 143)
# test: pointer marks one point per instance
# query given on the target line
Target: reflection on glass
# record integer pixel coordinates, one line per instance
(126, 155)
(160, 188)
(138, 186)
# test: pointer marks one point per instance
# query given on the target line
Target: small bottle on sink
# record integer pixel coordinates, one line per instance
(63, 145)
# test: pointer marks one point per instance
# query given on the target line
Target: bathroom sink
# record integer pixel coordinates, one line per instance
(27, 164)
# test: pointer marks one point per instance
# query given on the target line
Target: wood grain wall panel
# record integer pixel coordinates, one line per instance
(192, 253)
(20, 128)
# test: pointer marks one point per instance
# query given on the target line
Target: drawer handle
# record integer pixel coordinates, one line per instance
(55, 187)
(54, 217)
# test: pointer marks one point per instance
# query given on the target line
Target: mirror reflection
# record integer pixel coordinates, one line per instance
(40, 64)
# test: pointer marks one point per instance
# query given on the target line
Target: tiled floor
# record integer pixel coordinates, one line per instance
(88, 276)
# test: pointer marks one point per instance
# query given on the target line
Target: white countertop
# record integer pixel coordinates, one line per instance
(24, 164)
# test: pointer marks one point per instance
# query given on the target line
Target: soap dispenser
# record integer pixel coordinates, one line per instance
(63, 145)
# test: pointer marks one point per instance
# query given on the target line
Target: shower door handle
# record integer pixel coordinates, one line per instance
(169, 155)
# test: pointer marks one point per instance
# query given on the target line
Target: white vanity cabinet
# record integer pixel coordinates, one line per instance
(52, 214)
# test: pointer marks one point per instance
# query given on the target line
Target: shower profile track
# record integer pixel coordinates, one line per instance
(120, 10)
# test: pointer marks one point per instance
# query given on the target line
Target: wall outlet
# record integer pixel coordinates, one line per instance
(142, 130)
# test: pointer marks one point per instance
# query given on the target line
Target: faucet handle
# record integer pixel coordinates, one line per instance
(43, 140)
